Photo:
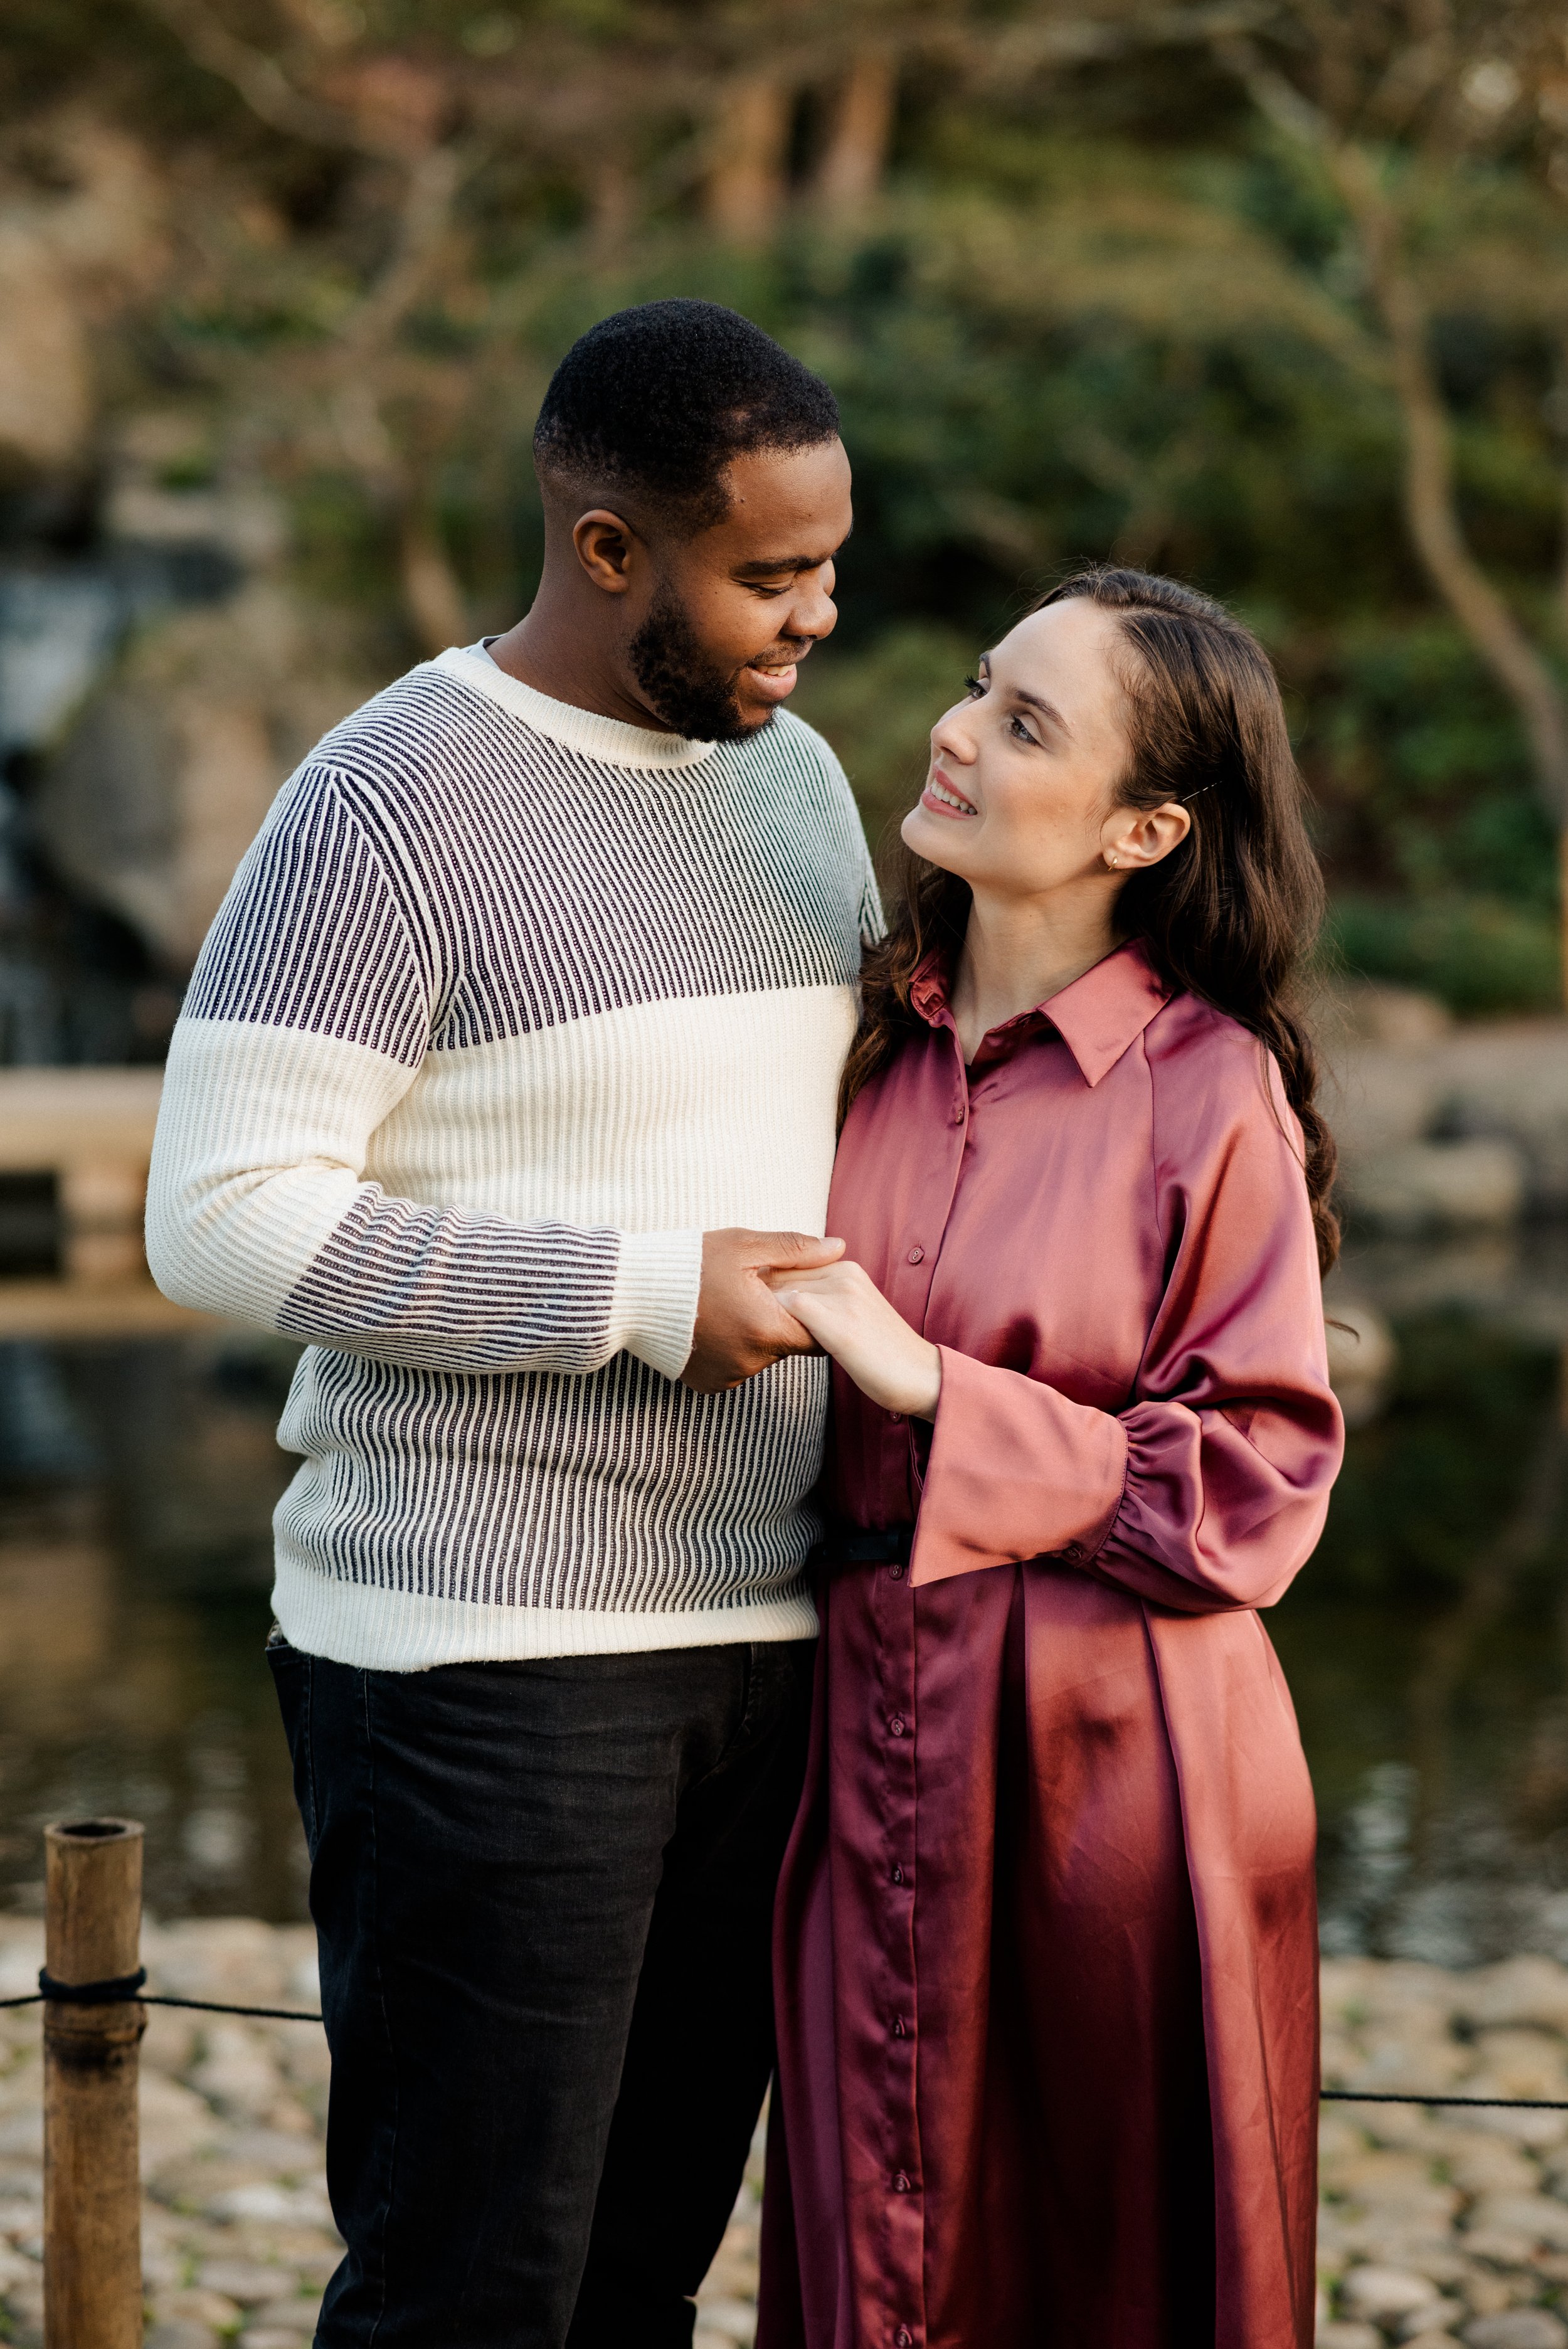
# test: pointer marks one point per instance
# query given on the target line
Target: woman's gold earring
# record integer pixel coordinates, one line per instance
(1112, 862)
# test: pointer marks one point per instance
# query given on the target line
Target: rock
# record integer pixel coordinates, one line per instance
(237, 2072)
(1422, 1187)
(267, 2204)
(179, 2334)
(272, 2336)
(96, 232)
(732, 2320)
(1517, 2328)
(1438, 2321)
(1368, 1012)
(1336, 2334)
(1539, 2219)
(1382, 2293)
(247, 2281)
(193, 2305)
(298, 2312)
(1511, 1080)
(1492, 2166)
(1362, 1357)
(159, 789)
(1529, 1992)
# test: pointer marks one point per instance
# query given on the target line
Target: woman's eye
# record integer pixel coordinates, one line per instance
(976, 687)
(1019, 732)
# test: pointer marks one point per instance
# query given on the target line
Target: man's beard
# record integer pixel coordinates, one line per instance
(682, 685)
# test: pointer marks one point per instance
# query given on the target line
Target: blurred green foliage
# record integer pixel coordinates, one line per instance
(1108, 311)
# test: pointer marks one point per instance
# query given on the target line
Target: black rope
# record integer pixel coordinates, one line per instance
(1486, 2103)
(123, 1989)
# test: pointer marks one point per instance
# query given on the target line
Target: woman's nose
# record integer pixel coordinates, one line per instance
(952, 736)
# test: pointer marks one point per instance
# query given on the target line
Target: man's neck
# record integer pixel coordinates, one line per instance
(556, 655)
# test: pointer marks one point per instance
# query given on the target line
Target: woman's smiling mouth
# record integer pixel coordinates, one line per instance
(941, 798)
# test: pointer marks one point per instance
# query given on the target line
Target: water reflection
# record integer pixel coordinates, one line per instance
(134, 1573)
(1427, 1644)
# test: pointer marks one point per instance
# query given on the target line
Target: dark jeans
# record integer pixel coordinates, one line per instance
(544, 1894)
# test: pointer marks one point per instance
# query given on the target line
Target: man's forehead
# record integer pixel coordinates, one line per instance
(788, 509)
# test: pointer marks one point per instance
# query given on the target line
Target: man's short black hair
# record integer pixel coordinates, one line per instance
(660, 398)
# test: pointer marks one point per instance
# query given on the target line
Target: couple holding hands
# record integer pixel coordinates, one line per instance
(712, 1653)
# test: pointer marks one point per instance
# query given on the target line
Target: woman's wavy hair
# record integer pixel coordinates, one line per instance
(1231, 913)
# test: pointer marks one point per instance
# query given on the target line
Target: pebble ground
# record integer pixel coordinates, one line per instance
(1436, 2227)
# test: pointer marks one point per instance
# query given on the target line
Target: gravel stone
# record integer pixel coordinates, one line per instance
(1519, 2328)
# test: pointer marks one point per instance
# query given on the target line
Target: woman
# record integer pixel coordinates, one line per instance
(1045, 1949)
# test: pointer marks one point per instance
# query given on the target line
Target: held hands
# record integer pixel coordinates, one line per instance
(767, 1293)
(741, 1325)
(851, 1319)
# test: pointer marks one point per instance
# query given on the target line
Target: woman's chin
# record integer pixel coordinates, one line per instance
(930, 837)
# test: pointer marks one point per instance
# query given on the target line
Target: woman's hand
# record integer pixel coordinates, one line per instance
(851, 1320)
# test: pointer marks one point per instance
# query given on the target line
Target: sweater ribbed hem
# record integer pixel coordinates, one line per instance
(606, 739)
(376, 1629)
(657, 1281)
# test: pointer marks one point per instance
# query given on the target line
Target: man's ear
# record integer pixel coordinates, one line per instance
(605, 545)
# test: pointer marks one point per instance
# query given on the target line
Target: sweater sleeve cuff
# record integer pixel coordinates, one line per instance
(654, 1311)
(1016, 1471)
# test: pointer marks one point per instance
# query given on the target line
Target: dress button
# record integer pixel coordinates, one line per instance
(900, 2181)
(915, 1255)
(895, 1419)
(897, 1724)
(903, 2338)
(896, 1571)
(957, 1112)
(1073, 1550)
(898, 2030)
(897, 1875)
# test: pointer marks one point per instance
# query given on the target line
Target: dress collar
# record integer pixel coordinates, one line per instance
(1097, 1018)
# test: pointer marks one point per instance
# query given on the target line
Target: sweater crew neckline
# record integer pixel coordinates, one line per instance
(608, 739)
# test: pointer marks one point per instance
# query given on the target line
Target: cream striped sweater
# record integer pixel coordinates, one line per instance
(507, 1004)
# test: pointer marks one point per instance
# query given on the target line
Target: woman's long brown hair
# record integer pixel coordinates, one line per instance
(1229, 915)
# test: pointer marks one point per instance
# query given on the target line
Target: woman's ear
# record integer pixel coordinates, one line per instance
(1134, 838)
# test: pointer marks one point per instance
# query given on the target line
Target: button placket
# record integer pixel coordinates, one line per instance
(901, 2282)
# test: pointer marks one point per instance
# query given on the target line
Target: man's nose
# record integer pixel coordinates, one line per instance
(814, 613)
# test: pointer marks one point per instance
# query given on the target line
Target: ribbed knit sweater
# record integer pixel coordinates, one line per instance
(507, 1004)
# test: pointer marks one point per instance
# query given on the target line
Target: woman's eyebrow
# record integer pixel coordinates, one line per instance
(1047, 708)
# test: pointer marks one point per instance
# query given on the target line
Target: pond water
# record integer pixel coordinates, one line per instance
(1426, 1643)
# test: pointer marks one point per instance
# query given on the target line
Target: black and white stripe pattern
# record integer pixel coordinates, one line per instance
(506, 1006)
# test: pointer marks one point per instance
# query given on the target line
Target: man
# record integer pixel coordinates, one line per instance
(518, 1035)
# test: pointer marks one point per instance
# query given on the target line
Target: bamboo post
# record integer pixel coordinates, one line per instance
(92, 2192)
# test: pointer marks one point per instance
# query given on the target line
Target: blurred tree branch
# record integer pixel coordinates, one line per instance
(1384, 115)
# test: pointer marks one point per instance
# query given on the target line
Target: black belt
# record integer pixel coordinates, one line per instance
(853, 1546)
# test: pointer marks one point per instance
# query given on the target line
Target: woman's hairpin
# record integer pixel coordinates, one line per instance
(1189, 797)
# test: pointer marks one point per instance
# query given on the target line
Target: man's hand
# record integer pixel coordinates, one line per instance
(741, 1327)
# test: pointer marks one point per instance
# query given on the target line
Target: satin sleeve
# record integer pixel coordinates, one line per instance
(1209, 1489)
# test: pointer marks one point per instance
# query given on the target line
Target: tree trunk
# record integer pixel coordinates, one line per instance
(746, 186)
(1431, 509)
(431, 595)
(851, 170)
